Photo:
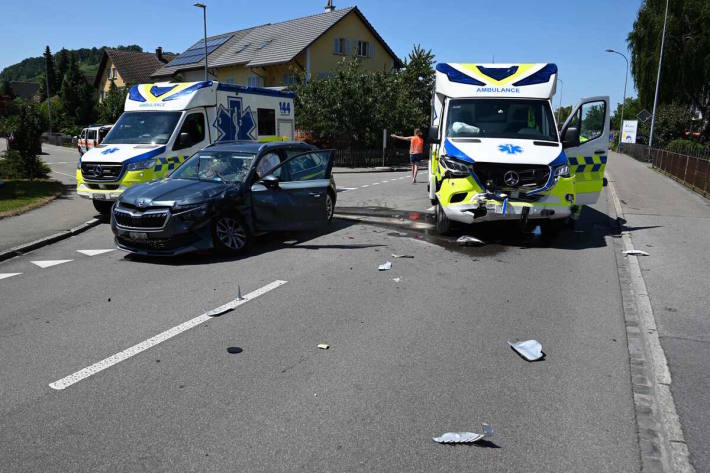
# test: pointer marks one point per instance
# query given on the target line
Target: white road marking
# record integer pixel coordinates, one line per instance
(63, 162)
(94, 252)
(8, 275)
(49, 263)
(366, 185)
(64, 174)
(161, 337)
(375, 183)
(345, 189)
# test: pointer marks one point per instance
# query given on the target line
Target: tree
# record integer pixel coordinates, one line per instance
(419, 77)
(77, 95)
(50, 76)
(685, 73)
(62, 66)
(632, 107)
(22, 161)
(112, 106)
(5, 89)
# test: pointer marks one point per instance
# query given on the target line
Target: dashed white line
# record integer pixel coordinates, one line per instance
(49, 263)
(366, 185)
(93, 252)
(375, 183)
(64, 174)
(161, 337)
(8, 275)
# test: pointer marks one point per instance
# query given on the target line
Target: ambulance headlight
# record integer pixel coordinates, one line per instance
(562, 171)
(454, 167)
(142, 164)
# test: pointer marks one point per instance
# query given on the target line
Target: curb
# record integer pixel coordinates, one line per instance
(26, 247)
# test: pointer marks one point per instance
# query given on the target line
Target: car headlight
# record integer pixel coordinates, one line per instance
(142, 164)
(454, 167)
(562, 171)
(191, 211)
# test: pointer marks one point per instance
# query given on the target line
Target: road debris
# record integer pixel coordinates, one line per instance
(465, 437)
(385, 267)
(323, 346)
(239, 293)
(219, 310)
(402, 256)
(635, 253)
(396, 279)
(467, 240)
(531, 350)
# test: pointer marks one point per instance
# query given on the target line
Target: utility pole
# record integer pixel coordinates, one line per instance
(623, 103)
(204, 19)
(658, 81)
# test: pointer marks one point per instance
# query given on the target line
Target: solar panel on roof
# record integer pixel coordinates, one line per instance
(197, 52)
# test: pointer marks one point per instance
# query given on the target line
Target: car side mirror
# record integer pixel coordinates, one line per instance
(433, 135)
(270, 181)
(570, 137)
(184, 140)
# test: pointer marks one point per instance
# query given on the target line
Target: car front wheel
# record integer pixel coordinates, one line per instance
(229, 234)
(329, 207)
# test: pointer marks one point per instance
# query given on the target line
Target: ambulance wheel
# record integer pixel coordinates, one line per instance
(229, 234)
(443, 224)
(103, 207)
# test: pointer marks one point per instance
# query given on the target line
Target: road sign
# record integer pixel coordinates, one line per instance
(628, 131)
(644, 115)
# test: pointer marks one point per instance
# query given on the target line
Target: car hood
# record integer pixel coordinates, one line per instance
(169, 192)
(504, 151)
(122, 153)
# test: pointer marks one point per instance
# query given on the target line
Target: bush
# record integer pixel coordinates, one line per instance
(684, 146)
(15, 166)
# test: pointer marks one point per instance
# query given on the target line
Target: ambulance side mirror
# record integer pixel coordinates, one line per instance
(433, 135)
(570, 137)
(184, 140)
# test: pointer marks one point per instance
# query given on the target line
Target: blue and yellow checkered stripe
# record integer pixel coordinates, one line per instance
(587, 167)
(168, 164)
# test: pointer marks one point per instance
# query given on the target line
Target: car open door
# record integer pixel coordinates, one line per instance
(585, 137)
(293, 195)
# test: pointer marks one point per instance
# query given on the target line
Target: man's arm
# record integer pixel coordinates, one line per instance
(404, 138)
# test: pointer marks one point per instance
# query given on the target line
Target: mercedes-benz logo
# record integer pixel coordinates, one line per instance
(511, 178)
(98, 170)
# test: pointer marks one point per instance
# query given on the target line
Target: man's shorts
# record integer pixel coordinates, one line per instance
(415, 158)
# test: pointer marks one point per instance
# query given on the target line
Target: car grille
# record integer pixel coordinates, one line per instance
(529, 177)
(101, 171)
(159, 244)
(150, 219)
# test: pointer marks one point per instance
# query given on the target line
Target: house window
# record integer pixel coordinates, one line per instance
(341, 46)
(229, 80)
(266, 118)
(289, 78)
(103, 95)
(363, 48)
(254, 81)
(112, 73)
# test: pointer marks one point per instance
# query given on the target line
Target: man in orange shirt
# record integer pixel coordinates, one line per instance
(416, 150)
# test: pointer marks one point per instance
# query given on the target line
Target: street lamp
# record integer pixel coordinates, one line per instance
(204, 19)
(559, 108)
(626, 78)
(658, 81)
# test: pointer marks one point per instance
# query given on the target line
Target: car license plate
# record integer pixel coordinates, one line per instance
(137, 235)
(100, 196)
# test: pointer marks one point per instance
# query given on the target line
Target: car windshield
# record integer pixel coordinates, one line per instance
(500, 118)
(216, 166)
(143, 128)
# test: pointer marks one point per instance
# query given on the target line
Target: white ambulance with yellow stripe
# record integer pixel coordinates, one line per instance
(165, 123)
(497, 153)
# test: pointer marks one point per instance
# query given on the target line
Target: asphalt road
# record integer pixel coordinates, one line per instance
(249, 390)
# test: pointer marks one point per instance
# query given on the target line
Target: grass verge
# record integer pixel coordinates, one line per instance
(18, 196)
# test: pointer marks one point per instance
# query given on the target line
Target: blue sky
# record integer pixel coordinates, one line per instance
(572, 34)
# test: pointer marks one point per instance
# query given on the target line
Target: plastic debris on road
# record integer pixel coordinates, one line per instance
(531, 350)
(465, 437)
(385, 267)
(396, 279)
(402, 256)
(219, 310)
(635, 253)
(323, 346)
(239, 293)
(466, 240)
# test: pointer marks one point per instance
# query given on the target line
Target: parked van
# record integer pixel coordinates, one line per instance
(497, 154)
(165, 123)
(91, 137)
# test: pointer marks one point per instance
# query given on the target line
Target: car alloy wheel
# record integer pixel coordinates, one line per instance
(231, 233)
(329, 207)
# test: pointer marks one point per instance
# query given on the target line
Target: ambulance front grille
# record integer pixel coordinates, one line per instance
(523, 177)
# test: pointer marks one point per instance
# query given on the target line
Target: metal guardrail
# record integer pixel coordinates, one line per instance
(692, 171)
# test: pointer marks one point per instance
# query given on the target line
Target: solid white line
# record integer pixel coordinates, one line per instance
(8, 275)
(161, 337)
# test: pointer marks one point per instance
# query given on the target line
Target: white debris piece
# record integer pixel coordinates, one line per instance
(465, 437)
(531, 350)
(466, 240)
(402, 256)
(385, 267)
(635, 253)
(396, 279)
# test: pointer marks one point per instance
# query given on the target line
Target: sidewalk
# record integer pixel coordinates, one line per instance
(672, 224)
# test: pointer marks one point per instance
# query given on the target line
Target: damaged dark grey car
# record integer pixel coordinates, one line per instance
(226, 194)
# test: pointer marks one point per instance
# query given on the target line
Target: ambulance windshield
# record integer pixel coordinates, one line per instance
(500, 118)
(143, 128)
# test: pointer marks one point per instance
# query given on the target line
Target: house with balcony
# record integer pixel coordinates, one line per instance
(273, 55)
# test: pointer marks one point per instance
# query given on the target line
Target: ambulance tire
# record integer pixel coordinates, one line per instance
(230, 236)
(103, 207)
(443, 224)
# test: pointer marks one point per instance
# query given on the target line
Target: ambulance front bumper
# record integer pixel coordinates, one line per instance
(493, 210)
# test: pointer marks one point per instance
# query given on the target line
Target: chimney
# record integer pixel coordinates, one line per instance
(159, 54)
(329, 7)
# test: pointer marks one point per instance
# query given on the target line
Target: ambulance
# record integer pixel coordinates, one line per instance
(165, 123)
(496, 151)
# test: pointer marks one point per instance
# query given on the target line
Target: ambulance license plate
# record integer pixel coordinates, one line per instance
(137, 235)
